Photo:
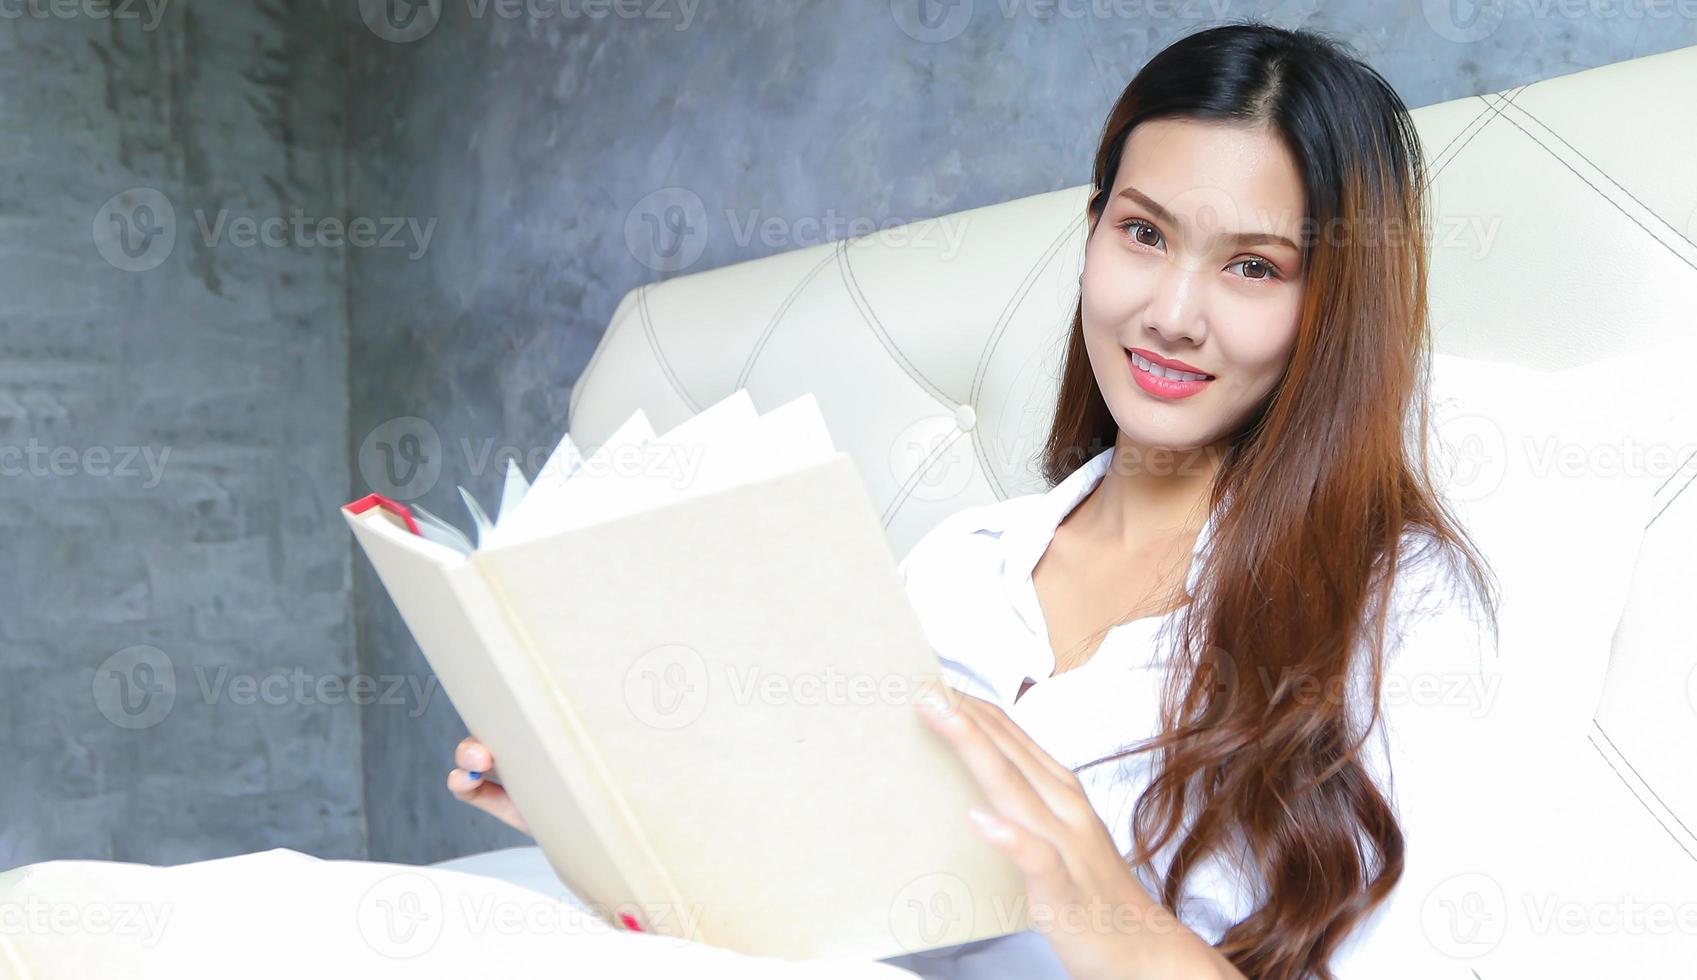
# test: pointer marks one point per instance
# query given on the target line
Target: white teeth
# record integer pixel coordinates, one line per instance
(1145, 364)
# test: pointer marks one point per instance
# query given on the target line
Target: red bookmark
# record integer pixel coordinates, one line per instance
(629, 922)
(371, 500)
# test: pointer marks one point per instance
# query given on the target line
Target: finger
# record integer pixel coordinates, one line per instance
(1002, 781)
(1043, 864)
(999, 722)
(1054, 783)
(473, 756)
(489, 797)
(471, 789)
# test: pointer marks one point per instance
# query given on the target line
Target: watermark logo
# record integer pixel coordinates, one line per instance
(401, 21)
(932, 912)
(402, 458)
(937, 449)
(1465, 916)
(401, 916)
(932, 21)
(667, 230)
(1471, 453)
(1219, 668)
(136, 230)
(667, 686)
(1212, 212)
(1463, 21)
(136, 687)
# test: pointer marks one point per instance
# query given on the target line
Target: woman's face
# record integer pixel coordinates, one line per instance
(1166, 273)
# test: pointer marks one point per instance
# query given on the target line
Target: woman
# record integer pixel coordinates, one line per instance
(1169, 666)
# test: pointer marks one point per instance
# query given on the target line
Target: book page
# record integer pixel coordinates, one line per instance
(723, 446)
(551, 490)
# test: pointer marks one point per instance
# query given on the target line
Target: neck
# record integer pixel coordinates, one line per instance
(1150, 494)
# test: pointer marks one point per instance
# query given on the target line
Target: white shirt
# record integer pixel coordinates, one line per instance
(970, 580)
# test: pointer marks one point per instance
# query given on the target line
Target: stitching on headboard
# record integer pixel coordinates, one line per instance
(778, 314)
(1441, 158)
(1676, 471)
(1044, 260)
(660, 355)
(1600, 193)
(1437, 159)
(1629, 788)
(870, 315)
(1677, 493)
(1492, 111)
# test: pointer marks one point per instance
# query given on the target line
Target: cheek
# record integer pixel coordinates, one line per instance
(1257, 349)
(1112, 294)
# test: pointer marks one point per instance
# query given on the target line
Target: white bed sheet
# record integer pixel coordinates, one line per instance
(280, 913)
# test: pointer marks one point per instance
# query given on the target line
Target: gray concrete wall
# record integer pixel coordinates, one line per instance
(173, 420)
(550, 148)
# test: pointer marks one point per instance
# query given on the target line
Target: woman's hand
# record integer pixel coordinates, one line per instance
(473, 757)
(1083, 896)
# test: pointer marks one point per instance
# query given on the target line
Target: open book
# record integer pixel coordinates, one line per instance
(693, 658)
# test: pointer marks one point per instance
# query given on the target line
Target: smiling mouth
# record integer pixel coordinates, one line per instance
(1170, 374)
(1165, 383)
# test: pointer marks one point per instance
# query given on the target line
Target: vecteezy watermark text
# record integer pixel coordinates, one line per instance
(36, 916)
(405, 21)
(136, 230)
(35, 458)
(149, 12)
(299, 230)
(299, 686)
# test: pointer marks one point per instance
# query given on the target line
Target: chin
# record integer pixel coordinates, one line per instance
(1140, 433)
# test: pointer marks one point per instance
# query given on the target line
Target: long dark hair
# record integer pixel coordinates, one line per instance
(1314, 494)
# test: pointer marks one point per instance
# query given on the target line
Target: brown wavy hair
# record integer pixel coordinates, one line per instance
(1313, 495)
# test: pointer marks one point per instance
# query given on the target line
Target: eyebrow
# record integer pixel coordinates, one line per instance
(1242, 238)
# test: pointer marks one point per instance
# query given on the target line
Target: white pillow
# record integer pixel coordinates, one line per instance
(1600, 877)
(1529, 465)
(283, 914)
(1535, 833)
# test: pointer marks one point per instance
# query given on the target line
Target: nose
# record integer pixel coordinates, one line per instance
(1177, 304)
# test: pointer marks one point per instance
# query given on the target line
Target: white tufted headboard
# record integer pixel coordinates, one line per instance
(1565, 213)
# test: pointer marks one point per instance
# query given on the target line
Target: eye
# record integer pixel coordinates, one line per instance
(1267, 270)
(1139, 224)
